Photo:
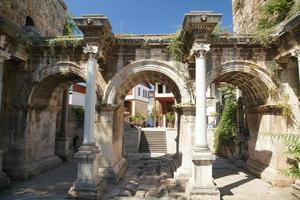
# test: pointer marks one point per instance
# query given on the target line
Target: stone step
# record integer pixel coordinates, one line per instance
(153, 141)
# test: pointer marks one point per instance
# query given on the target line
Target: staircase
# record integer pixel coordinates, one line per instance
(131, 140)
(153, 141)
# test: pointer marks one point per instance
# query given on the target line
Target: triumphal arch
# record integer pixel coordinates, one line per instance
(36, 69)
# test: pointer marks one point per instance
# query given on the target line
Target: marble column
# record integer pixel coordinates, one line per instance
(201, 184)
(89, 185)
(4, 55)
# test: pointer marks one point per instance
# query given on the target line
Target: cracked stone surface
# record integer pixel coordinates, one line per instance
(147, 178)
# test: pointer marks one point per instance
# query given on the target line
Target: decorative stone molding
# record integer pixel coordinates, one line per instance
(186, 110)
(270, 109)
(200, 49)
(164, 70)
(4, 51)
(90, 49)
(296, 53)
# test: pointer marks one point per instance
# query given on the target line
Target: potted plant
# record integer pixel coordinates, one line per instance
(170, 116)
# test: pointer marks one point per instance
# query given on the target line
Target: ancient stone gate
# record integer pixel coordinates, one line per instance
(36, 70)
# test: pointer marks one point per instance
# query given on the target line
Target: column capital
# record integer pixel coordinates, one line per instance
(4, 56)
(199, 49)
(90, 49)
(93, 51)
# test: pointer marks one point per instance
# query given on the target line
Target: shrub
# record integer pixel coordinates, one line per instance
(79, 113)
(226, 130)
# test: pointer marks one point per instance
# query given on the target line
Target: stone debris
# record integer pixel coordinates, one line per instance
(148, 179)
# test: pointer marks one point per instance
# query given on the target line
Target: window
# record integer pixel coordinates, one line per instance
(139, 91)
(160, 88)
(29, 21)
(145, 94)
(168, 90)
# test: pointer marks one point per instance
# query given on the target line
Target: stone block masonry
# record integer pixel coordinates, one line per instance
(245, 15)
(48, 17)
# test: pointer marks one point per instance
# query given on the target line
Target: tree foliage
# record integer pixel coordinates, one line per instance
(176, 46)
(273, 13)
(226, 130)
(69, 26)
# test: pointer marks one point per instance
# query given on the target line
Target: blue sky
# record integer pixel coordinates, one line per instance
(149, 16)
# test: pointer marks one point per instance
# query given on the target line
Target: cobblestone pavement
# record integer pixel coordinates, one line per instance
(147, 179)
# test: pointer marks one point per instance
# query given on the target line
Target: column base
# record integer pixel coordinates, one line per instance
(4, 180)
(201, 184)
(88, 185)
(86, 191)
(203, 193)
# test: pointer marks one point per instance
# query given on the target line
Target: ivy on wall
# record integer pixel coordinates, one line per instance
(176, 46)
(273, 13)
(225, 133)
(69, 26)
(65, 41)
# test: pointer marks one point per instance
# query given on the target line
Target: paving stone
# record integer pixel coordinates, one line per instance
(233, 182)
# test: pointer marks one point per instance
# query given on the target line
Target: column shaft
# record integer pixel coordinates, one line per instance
(89, 117)
(201, 135)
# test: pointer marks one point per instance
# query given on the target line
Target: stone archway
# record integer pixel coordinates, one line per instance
(121, 83)
(253, 80)
(45, 107)
(149, 70)
(263, 115)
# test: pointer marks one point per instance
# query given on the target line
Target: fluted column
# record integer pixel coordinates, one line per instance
(201, 184)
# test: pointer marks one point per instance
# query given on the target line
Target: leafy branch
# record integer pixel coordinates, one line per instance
(292, 142)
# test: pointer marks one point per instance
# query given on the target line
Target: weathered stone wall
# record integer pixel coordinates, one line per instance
(48, 15)
(265, 154)
(245, 15)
